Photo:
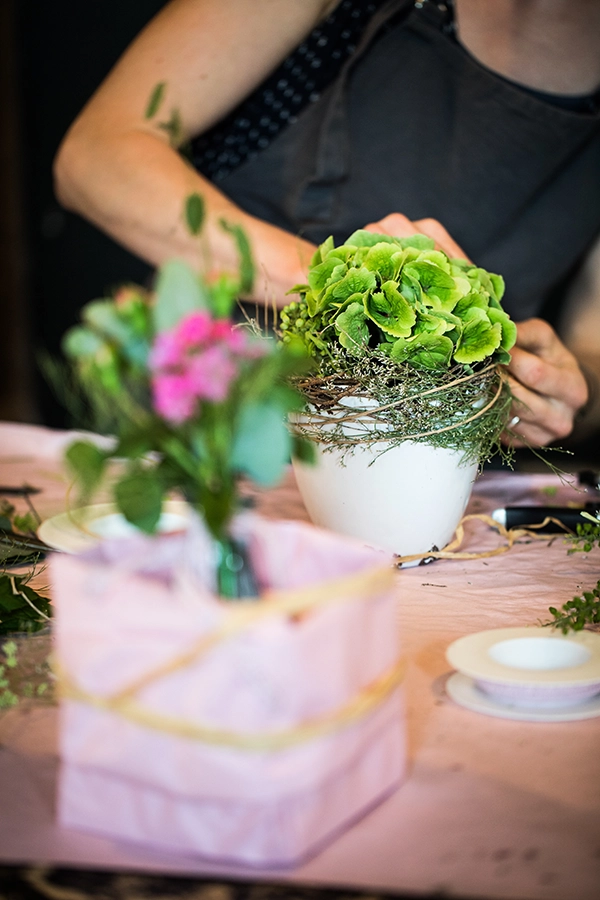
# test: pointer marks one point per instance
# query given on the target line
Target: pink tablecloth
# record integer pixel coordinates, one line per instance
(492, 808)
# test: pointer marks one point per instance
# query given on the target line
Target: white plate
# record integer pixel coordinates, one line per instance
(464, 691)
(528, 656)
(80, 529)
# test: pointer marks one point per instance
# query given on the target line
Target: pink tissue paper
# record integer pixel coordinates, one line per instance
(126, 608)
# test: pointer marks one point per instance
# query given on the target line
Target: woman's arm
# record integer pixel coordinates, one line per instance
(118, 170)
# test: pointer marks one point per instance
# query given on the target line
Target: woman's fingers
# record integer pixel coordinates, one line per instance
(547, 384)
(398, 225)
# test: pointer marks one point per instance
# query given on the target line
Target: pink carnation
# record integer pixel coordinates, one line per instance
(197, 360)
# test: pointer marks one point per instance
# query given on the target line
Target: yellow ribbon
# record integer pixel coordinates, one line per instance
(239, 617)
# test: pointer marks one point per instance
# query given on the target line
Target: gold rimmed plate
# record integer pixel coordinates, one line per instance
(79, 529)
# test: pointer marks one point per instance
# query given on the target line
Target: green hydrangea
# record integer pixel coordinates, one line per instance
(403, 297)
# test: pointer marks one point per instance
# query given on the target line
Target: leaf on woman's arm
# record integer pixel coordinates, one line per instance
(156, 98)
(194, 213)
(246, 269)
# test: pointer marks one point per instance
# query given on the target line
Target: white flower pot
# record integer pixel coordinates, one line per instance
(408, 499)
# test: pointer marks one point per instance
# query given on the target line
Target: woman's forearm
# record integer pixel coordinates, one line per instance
(134, 185)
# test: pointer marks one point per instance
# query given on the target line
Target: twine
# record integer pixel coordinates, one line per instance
(511, 535)
(239, 618)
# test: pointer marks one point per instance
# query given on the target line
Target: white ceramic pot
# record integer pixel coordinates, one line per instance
(408, 499)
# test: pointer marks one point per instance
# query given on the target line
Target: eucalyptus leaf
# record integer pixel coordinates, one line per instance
(138, 496)
(178, 293)
(262, 443)
(81, 342)
(87, 463)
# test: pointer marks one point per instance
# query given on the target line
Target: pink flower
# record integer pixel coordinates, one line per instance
(195, 361)
(172, 397)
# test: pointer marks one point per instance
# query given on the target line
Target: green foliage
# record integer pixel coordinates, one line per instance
(155, 101)
(194, 213)
(575, 614)
(87, 462)
(21, 608)
(203, 455)
(375, 288)
(588, 535)
(582, 611)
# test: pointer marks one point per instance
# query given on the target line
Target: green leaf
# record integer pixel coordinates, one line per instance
(262, 443)
(431, 351)
(194, 213)
(139, 497)
(87, 463)
(81, 343)
(103, 316)
(435, 284)
(418, 241)
(498, 286)
(319, 276)
(356, 281)
(390, 310)
(381, 259)
(156, 98)
(246, 270)
(352, 328)
(362, 238)
(479, 339)
(472, 300)
(509, 329)
(178, 293)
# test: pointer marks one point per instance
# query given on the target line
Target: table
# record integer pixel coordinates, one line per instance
(492, 807)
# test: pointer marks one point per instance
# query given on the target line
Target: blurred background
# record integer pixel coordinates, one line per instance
(52, 58)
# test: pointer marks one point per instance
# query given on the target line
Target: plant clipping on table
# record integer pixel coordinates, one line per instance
(420, 336)
(194, 401)
(582, 611)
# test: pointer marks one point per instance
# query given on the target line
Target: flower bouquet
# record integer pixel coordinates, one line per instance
(249, 731)
(409, 396)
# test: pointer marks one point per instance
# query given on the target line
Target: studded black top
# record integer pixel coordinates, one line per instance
(276, 103)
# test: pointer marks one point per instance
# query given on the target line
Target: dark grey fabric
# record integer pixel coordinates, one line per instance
(414, 124)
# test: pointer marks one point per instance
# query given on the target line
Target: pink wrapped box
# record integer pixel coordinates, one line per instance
(248, 732)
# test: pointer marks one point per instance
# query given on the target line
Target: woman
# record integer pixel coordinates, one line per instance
(484, 121)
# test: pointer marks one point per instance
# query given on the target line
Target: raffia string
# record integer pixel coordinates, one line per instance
(511, 535)
(240, 617)
(357, 708)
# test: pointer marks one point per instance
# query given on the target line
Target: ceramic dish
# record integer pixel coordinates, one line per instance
(465, 692)
(530, 667)
(79, 529)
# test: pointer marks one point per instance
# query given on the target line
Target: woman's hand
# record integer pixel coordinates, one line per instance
(401, 226)
(548, 386)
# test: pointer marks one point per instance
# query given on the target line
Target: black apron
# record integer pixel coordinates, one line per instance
(414, 124)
